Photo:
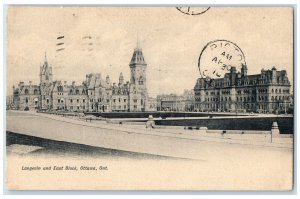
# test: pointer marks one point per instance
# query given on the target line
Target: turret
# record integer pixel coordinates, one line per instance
(45, 72)
(121, 79)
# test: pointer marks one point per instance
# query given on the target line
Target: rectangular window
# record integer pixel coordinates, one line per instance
(83, 107)
(77, 100)
(107, 100)
(114, 100)
(58, 100)
(77, 107)
(119, 100)
(71, 100)
(83, 100)
(124, 100)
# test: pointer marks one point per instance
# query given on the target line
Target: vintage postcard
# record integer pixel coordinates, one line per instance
(149, 98)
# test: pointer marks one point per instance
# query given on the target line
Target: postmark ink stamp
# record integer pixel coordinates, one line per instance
(193, 10)
(217, 57)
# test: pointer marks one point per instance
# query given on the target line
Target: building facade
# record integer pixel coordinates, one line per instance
(173, 102)
(267, 92)
(94, 94)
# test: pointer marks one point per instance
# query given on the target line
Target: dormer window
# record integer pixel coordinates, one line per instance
(60, 89)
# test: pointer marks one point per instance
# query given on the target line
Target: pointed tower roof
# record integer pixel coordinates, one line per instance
(137, 57)
(45, 66)
(45, 61)
(121, 79)
(121, 76)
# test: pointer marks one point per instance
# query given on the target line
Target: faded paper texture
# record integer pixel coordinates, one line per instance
(70, 150)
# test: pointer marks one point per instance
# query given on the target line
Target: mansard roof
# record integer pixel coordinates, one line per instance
(236, 79)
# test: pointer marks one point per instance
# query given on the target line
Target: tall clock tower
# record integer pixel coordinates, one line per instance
(138, 98)
(45, 85)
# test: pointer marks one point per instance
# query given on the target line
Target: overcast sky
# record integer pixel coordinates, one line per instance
(171, 42)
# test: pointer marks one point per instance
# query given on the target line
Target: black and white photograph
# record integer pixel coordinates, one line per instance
(184, 98)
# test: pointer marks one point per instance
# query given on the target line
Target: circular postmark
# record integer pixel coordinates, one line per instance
(193, 10)
(218, 57)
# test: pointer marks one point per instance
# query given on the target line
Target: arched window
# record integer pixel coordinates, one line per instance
(272, 98)
(141, 81)
(35, 92)
(77, 92)
(71, 91)
(276, 91)
(26, 91)
(83, 92)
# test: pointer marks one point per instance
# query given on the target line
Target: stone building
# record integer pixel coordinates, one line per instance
(173, 102)
(267, 92)
(94, 94)
(152, 104)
